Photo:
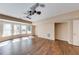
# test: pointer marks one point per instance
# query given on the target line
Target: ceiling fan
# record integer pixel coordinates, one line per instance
(32, 10)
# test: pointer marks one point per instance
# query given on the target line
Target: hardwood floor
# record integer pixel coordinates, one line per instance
(37, 46)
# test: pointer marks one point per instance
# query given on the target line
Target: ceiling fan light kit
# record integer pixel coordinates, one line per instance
(33, 10)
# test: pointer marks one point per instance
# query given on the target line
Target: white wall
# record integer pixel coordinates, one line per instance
(76, 32)
(45, 30)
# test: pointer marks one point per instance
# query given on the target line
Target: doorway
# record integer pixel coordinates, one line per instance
(61, 31)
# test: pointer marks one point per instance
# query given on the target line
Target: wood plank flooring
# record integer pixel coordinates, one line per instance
(37, 46)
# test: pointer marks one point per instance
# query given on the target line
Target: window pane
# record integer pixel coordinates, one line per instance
(7, 28)
(16, 29)
(23, 29)
(29, 29)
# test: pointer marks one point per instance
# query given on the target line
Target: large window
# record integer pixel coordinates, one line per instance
(23, 29)
(16, 29)
(11, 28)
(7, 29)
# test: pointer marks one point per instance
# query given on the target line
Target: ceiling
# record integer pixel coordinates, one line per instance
(50, 9)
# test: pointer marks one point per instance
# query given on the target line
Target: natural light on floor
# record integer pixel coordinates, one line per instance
(24, 38)
(16, 40)
(4, 43)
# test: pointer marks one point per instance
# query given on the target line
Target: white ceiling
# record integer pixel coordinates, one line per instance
(50, 9)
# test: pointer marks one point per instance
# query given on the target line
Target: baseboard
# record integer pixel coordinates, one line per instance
(68, 43)
(42, 37)
(62, 40)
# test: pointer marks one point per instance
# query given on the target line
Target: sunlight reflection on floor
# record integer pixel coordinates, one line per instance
(25, 38)
(16, 40)
(4, 43)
